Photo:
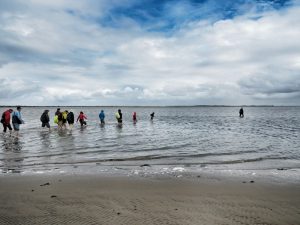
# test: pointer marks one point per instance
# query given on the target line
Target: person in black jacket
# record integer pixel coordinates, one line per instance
(70, 119)
(151, 116)
(241, 112)
(45, 119)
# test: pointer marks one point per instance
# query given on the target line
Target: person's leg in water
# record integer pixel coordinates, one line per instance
(16, 128)
(64, 125)
(59, 125)
(82, 122)
(46, 125)
(5, 126)
(71, 126)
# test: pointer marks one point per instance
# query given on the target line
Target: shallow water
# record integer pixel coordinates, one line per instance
(179, 139)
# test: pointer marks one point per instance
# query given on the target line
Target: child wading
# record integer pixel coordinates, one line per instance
(81, 118)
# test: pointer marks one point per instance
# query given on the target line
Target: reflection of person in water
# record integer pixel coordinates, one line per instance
(12, 165)
(242, 112)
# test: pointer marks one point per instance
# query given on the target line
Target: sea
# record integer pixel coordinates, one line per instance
(178, 141)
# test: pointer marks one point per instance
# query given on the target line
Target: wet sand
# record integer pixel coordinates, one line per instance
(125, 200)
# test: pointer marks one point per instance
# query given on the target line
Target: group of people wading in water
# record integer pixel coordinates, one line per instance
(16, 119)
(61, 118)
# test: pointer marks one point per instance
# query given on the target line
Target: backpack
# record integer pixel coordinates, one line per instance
(55, 119)
(43, 118)
(16, 119)
(70, 117)
(2, 118)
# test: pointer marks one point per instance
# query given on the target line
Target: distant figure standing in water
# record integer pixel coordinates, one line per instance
(241, 112)
(134, 117)
(17, 119)
(81, 118)
(151, 116)
(45, 119)
(119, 116)
(70, 119)
(5, 120)
(102, 117)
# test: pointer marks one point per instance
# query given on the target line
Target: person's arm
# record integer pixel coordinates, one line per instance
(20, 117)
(78, 118)
(84, 116)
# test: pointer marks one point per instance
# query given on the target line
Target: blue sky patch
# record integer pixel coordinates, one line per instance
(166, 15)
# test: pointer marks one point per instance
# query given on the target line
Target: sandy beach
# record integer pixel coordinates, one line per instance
(72, 199)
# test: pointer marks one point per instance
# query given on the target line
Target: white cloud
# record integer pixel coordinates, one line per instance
(75, 60)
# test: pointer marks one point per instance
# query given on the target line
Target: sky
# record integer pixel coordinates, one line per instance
(150, 52)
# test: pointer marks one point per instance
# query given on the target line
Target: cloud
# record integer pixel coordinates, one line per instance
(271, 85)
(12, 91)
(155, 52)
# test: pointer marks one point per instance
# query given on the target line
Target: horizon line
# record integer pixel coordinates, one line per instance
(149, 106)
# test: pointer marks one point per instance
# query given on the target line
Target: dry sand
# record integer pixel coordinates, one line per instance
(113, 201)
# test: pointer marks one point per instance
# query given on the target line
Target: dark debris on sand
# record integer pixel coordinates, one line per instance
(145, 165)
(281, 168)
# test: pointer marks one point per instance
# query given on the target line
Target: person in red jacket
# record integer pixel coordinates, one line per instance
(81, 118)
(5, 120)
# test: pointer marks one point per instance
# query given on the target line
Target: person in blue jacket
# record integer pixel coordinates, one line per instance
(102, 116)
(17, 119)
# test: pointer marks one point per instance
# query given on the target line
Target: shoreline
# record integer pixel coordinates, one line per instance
(98, 199)
(277, 176)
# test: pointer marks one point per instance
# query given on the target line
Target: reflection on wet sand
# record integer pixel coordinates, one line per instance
(45, 139)
(12, 155)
